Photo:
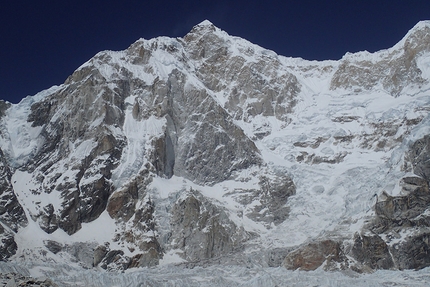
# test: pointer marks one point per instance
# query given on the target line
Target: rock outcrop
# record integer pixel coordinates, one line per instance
(203, 230)
(326, 253)
(393, 71)
(371, 252)
(3, 107)
(400, 232)
(12, 215)
(17, 280)
(418, 158)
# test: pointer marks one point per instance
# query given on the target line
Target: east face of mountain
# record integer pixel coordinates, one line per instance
(194, 146)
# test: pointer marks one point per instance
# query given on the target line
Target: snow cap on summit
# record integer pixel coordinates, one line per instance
(418, 35)
(203, 28)
(205, 23)
(422, 24)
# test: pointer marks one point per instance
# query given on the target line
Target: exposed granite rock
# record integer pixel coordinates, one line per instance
(87, 114)
(198, 107)
(99, 253)
(400, 231)
(133, 210)
(84, 200)
(164, 156)
(395, 69)
(203, 230)
(115, 261)
(81, 252)
(396, 212)
(419, 157)
(398, 236)
(53, 246)
(3, 107)
(313, 255)
(405, 223)
(273, 195)
(413, 253)
(151, 255)
(122, 203)
(8, 245)
(41, 112)
(11, 212)
(222, 70)
(191, 115)
(48, 220)
(372, 251)
(197, 156)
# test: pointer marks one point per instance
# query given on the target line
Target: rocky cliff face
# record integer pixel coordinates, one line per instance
(193, 149)
(393, 70)
(11, 212)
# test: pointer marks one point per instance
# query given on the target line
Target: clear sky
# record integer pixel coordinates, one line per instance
(42, 42)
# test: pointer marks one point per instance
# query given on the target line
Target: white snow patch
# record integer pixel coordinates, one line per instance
(172, 257)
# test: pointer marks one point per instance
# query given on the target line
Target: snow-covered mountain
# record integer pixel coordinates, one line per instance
(208, 150)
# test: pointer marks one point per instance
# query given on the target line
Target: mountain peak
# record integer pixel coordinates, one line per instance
(421, 25)
(417, 38)
(205, 23)
(203, 27)
(419, 28)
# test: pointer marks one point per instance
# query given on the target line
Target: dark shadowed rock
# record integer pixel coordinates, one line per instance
(8, 245)
(419, 157)
(11, 212)
(99, 253)
(3, 107)
(48, 219)
(413, 253)
(18, 280)
(372, 251)
(53, 246)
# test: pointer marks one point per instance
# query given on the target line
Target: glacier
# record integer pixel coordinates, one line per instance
(218, 276)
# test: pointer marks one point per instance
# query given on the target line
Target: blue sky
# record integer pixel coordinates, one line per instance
(43, 42)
